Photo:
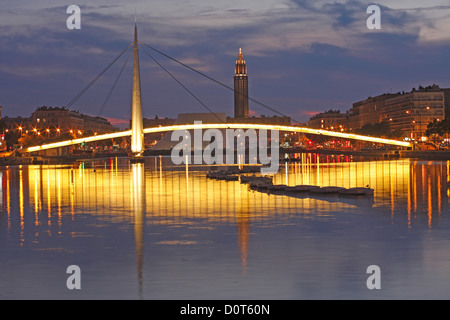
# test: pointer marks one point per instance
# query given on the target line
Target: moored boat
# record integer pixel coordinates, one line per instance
(259, 185)
(249, 179)
(357, 191)
(304, 188)
(276, 187)
(327, 190)
(232, 178)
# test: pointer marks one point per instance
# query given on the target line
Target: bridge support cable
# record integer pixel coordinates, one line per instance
(75, 99)
(217, 82)
(183, 86)
(113, 87)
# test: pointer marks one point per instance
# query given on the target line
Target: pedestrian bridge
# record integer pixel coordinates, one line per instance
(137, 131)
(205, 126)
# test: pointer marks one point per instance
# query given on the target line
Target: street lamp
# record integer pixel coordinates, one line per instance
(421, 122)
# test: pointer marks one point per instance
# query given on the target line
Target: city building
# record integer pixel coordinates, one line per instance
(368, 111)
(240, 88)
(274, 120)
(57, 118)
(241, 99)
(152, 138)
(446, 101)
(96, 124)
(18, 124)
(329, 120)
(409, 112)
(412, 112)
(158, 122)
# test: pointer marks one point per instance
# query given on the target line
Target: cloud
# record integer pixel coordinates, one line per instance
(302, 54)
(118, 122)
(263, 25)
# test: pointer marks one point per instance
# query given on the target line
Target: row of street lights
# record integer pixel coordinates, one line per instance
(48, 131)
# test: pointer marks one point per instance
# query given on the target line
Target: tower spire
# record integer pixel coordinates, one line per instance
(137, 128)
(240, 88)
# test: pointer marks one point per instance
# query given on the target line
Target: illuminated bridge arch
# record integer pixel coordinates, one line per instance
(220, 126)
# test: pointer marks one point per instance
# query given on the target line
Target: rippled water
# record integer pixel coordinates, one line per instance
(156, 231)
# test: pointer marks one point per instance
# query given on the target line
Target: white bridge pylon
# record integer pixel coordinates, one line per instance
(206, 126)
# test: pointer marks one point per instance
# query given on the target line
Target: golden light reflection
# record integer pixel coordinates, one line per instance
(430, 203)
(72, 194)
(49, 200)
(138, 196)
(59, 203)
(115, 191)
(408, 205)
(21, 208)
(8, 199)
(439, 194)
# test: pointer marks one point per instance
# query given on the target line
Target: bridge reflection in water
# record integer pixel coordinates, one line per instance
(39, 200)
(167, 194)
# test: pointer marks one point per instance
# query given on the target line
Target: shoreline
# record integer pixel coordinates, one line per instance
(369, 154)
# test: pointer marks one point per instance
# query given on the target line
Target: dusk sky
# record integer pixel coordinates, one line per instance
(303, 57)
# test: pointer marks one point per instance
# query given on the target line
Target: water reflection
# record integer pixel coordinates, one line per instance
(168, 195)
(138, 197)
(39, 202)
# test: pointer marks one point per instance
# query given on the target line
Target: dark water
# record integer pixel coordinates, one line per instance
(155, 231)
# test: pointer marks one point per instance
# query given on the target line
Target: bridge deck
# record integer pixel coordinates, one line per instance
(221, 126)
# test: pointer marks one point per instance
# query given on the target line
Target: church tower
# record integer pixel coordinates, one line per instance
(240, 88)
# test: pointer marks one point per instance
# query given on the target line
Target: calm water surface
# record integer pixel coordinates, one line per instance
(155, 231)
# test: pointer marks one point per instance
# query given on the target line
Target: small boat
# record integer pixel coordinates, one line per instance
(277, 187)
(357, 191)
(327, 190)
(249, 179)
(232, 178)
(258, 185)
(305, 188)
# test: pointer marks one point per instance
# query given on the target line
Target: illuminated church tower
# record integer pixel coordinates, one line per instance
(240, 88)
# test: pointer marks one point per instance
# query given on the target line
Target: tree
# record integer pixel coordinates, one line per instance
(382, 129)
(438, 128)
